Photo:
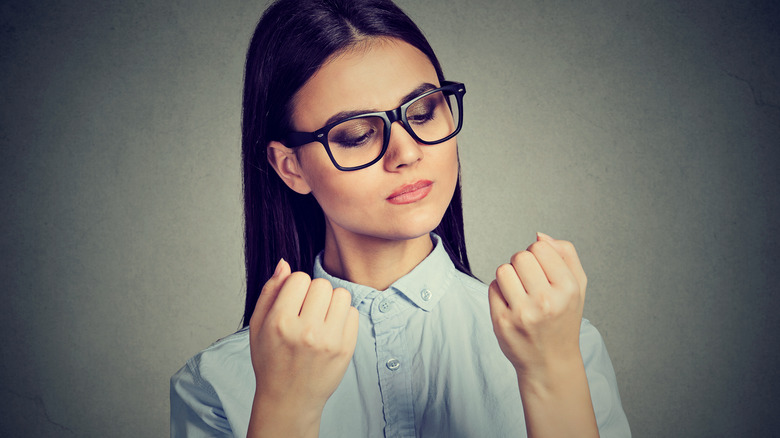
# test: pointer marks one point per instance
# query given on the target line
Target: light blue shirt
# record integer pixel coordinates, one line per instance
(427, 364)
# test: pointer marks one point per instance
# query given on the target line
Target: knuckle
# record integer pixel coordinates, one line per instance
(321, 283)
(341, 295)
(536, 246)
(531, 319)
(281, 326)
(569, 284)
(521, 257)
(504, 270)
(545, 309)
(568, 295)
(336, 348)
(309, 337)
(567, 246)
(300, 276)
(503, 322)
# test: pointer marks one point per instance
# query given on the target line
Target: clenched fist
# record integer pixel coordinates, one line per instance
(302, 335)
(536, 304)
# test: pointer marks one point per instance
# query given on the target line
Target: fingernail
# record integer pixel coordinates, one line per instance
(278, 267)
(540, 236)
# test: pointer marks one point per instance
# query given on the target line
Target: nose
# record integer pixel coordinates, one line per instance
(402, 149)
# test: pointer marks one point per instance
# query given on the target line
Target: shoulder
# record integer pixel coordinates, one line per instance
(217, 366)
(229, 352)
(210, 392)
(230, 346)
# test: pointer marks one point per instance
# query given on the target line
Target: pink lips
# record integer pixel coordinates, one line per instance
(411, 192)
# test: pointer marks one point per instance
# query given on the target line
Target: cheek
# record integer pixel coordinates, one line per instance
(316, 168)
(338, 192)
(450, 164)
(448, 170)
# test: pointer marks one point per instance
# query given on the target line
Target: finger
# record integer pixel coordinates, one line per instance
(530, 272)
(292, 294)
(496, 299)
(510, 286)
(351, 328)
(271, 290)
(553, 267)
(337, 311)
(315, 305)
(569, 254)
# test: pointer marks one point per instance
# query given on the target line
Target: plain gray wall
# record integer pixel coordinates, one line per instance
(647, 132)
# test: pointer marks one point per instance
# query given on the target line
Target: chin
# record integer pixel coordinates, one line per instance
(420, 222)
(395, 225)
(420, 226)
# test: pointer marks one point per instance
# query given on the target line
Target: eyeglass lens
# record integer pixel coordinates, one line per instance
(359, 141)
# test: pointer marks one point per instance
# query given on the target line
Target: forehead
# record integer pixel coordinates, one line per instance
(373, 76)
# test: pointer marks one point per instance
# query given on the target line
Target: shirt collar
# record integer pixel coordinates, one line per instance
(424, 285)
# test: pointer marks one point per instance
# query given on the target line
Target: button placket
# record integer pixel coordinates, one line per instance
(390, 320)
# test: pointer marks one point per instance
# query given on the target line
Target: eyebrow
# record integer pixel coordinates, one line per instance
(422, 88)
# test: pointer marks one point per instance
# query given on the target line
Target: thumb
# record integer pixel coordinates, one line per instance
(271, 290)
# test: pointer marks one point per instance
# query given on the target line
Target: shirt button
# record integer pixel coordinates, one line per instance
(393, 364)
(425, 294)
(384, 306)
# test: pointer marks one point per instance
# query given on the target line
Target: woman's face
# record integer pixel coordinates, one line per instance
(366, 202)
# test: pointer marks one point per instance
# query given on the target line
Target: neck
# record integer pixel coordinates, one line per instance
(372, 261)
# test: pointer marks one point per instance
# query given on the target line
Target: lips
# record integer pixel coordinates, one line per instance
(411, 192)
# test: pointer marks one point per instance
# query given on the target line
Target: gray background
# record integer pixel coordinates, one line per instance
(646, 132)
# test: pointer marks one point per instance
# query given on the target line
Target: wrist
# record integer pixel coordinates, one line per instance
(556, 400)
(283, 416)
(551, 378)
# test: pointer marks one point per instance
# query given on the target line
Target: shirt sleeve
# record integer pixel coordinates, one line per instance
(195, 407)
(611, 418)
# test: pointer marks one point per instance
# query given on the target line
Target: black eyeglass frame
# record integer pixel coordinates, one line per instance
(458, 89)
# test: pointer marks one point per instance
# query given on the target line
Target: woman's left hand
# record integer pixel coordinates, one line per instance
(536, 304)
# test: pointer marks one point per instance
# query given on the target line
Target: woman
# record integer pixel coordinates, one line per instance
(351, 178)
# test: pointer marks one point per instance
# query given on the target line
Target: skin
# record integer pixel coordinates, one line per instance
(303, 333)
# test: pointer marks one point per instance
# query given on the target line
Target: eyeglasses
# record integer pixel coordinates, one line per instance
(359, 141)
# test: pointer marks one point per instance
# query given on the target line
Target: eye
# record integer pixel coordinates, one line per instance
(421, 118)
(424, 110)
(353, 133)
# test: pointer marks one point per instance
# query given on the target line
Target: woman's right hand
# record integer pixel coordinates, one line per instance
(302, 335)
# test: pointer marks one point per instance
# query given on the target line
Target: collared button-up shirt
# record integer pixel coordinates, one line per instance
(426, 364)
